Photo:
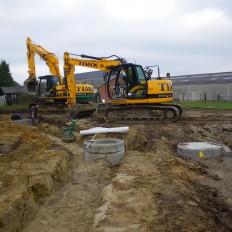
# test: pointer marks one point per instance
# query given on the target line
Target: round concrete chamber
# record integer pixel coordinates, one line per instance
(111, 150)
(201, 150)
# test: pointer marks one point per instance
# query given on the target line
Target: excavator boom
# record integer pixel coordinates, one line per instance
(50, 59)
(93, 62)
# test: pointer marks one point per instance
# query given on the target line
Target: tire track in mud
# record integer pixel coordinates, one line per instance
(181, 201)
(207, 207)
(186, 201)
(72, 206)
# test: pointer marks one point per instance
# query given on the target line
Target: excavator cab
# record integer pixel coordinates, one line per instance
(127, 81)
(47, 85)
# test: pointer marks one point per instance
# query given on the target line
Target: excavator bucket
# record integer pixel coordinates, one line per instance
(31, 86)
(81, 110)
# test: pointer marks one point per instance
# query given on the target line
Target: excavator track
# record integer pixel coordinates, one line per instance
(151, 112)
(81, 110)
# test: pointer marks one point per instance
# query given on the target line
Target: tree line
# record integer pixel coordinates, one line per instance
(6, 78)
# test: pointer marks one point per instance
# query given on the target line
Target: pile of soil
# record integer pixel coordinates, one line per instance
(30, 164)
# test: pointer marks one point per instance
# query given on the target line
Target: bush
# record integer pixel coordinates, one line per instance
(26, 99)
(9, 100)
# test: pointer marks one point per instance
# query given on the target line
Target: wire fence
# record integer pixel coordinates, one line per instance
(210, 92)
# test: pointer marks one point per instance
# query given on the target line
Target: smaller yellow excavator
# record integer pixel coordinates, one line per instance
(50, 59)
(52, 90)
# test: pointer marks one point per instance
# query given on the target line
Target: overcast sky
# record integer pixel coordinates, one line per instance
(181, 36)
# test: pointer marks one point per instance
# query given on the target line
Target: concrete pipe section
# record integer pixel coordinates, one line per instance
(111, 150)
(201, 150)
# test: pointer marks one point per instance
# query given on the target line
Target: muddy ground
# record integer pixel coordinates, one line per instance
(45, 184)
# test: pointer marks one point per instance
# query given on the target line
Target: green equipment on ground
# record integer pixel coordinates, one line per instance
(68, 129)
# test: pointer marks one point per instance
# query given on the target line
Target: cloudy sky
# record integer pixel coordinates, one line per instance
(181, 36)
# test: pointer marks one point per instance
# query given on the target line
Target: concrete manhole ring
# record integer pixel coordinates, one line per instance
(111, 150)
(201, 150)
(103, 146)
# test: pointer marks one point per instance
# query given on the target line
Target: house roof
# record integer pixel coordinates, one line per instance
(17, 89)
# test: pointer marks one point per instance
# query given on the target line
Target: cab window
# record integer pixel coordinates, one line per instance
(140, 73)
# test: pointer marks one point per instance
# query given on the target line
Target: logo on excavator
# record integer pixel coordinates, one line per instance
(87, 64)
(84, 88)
(165, 87)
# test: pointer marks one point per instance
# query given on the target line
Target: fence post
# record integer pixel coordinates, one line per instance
(228, 92)
(205, 97)
(189, 93)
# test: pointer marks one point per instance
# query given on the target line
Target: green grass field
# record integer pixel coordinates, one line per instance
(14, 107)
(207, 105)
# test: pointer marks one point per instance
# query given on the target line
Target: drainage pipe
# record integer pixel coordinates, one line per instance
(101, 130)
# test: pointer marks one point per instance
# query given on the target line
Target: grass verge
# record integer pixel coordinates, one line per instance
(207, 105)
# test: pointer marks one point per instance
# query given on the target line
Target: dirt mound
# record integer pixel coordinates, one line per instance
(29, 166)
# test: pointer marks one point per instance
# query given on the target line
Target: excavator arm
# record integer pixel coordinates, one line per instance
(50, 59)
(99, 63)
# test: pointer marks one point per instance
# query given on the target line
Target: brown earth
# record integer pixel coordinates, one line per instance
(45, 185)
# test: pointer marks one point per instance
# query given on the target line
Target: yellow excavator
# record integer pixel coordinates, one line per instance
(133, 92)
(52, 90)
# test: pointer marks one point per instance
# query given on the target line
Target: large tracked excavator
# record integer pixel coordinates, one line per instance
(133, 92)
(53, 91)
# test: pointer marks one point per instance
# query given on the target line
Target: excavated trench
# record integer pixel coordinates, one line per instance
(72, 206)
(151, 190)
